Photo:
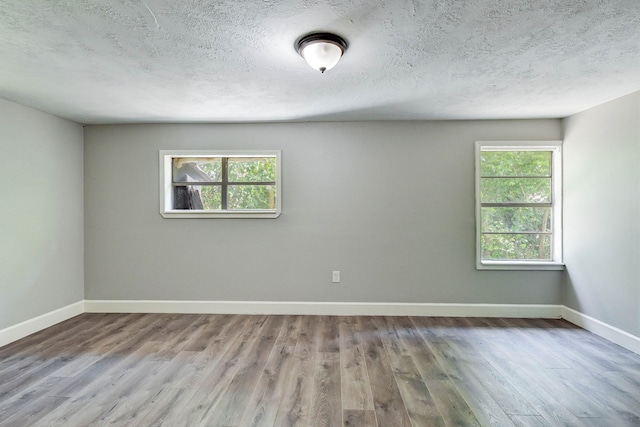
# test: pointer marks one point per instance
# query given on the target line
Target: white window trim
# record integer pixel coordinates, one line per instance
(165, 168)
(556, 263)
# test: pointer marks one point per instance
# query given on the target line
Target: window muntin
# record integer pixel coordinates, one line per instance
(220, 184)
(518, 215)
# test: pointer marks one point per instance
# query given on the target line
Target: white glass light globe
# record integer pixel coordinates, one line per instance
(321, 56)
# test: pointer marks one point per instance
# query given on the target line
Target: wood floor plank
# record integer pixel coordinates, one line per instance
(618, 406)
(112, 403)
(466, 381)
(130, 407)
(529, 421)
(481, 402)
(295, 406)
(452, 406)
(92, 401)
(600, 422)
(543, 400)
(198, 341)
(359, 418)
(616, 386)
(30, 357)
(31, 414)
(421, 407)
(19, 401)
(176, 334)
(202, 400)
(390, 336)
(290, 332)
(242, 370)
(37, 374)
(593, 357)
(526, 346)
(500, 389)
(166, 403)
(187, 369)
(226, 411)
(389, 409)
(419, 350)
(106, 371)
(120, 335)
(416, 397)
(570, 395)
(329, 334)
(262, 407)
(456, 396)
(327, 400)
(222, 329)
(418, 401)
(356, 389)
(37, 341)
(79, 413)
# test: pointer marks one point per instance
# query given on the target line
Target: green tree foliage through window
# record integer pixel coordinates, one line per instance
(253, 170)
(516, 204)
(225, 183)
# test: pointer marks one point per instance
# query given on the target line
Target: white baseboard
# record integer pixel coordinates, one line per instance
(325, 308)
(28, 327)
(549, 311)
(611, 333)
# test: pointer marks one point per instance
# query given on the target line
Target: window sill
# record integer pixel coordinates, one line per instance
(226, 214)
(519, 265)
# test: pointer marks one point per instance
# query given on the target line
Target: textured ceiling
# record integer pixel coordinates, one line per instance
(123, 61)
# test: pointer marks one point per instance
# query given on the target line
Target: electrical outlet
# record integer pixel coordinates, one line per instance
(335, 276)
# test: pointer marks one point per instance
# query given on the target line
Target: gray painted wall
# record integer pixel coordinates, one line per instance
(602, 213)
(389, 204)
(41, 220)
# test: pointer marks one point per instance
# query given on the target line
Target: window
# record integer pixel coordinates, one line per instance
(216, 184)
(518, 205)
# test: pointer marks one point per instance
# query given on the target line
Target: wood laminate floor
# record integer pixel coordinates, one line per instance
(237, 370)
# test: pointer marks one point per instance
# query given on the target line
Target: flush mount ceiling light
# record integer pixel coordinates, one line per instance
(322, 51)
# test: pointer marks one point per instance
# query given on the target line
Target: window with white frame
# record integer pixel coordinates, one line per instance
(518, 205)
(220, 184)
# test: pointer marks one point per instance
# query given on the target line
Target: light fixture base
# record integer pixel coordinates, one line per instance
(322, 51)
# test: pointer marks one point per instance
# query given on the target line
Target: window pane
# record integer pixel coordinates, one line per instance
(516, 247)
(515, 190)
(211, 197)
(197, 169)
(514, 220)
(515, 163)
(189, 197)
(252, 169)
(242, 197)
